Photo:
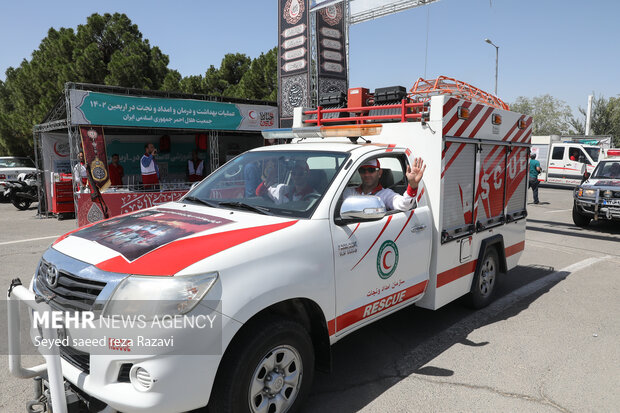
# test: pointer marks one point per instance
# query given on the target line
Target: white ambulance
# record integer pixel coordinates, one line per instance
(284, 277)
(565, 160)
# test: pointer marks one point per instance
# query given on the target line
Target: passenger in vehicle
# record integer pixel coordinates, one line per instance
(574, 155)
(299, 189)
(371, 172)
(251, 178)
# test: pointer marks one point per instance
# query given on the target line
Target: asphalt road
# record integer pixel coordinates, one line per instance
(548, 343)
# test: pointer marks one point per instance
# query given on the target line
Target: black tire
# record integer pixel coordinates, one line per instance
(484, 285)
(579, 219)
(244, 362)
(21, 203)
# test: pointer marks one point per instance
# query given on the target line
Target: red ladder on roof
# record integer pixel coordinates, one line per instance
(423, 89)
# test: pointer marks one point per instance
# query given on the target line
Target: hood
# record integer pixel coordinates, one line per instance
(613, 184)
(165, 240)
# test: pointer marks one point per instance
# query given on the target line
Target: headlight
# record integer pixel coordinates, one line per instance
(586, 193)
(159, 296)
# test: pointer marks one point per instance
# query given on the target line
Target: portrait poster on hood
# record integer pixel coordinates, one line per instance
(137, 234)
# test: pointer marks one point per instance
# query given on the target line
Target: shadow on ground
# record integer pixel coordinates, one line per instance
(400, 345)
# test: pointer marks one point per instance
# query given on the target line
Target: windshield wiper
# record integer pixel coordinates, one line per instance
(200, 201)
(243, 205)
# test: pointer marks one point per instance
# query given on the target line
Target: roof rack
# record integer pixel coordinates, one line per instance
(359, 115)
(423, 89)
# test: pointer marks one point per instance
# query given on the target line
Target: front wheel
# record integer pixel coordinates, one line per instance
(21, 203)
(484, 284)
(268, 368)
(579, 219)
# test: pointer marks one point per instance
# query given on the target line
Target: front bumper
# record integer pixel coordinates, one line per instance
(598, 209)
(180, 381)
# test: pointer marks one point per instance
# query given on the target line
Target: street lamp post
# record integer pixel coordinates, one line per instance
(496, 60)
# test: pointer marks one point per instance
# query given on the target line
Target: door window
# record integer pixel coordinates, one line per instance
(391, 175)
(558, 153)
(583, 158)
(573, 153)
(593, 152)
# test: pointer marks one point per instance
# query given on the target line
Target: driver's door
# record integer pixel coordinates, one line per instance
(380, 265)
(575, 168)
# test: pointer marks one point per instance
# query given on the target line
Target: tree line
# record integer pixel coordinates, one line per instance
(551, 116)
(110, 50)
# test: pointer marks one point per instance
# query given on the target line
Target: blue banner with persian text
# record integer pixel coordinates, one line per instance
(121, 110)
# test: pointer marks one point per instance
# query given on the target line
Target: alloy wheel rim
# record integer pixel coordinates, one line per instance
(276, 381)
(487, 277)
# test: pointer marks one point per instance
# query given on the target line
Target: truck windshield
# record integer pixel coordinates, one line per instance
(607, 170)
(593, 152)
(16, 163)
(286, 183)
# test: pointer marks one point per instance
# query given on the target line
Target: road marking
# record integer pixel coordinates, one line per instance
(582, 264)
(417, 356)
(28, 240)
(558, 210)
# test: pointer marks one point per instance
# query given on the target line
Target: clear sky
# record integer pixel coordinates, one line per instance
(566, 48)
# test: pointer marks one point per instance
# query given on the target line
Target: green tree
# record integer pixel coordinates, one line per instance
(260, 81)
(193, 84)
(551, 116)
(172, 81)
(108, 49)
(605, 118)
(213, 82)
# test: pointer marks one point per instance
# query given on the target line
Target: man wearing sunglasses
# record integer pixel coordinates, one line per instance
(297, 190)
(371, 172)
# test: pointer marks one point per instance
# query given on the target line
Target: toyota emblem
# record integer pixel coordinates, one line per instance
(51, 276)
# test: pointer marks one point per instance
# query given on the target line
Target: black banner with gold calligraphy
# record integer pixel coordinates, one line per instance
(331, 50)
(93, 145)
(293, 57)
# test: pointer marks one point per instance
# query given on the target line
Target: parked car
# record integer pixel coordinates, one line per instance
(10, 168)
(598, 196)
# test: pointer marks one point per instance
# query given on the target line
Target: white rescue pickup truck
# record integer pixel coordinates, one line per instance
(285, 276)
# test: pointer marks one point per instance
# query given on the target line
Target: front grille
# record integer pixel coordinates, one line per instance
(77, 358)
(69, 292)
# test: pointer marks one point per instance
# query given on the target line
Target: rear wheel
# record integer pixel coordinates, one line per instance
(579, 219)
(485, 280)
(268, 369)
(21, 203)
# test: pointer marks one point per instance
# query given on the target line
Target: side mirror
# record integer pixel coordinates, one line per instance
(586, 176)
(364, 207)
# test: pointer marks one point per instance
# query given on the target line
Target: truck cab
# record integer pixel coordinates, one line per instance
(565, 163)
(568, 162)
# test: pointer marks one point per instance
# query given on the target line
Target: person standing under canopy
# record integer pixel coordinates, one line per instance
(148, 167)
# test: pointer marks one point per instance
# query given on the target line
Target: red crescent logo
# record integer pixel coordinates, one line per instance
(252, 114)
(384, 257)
(58, 153)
